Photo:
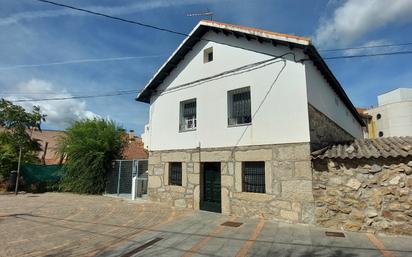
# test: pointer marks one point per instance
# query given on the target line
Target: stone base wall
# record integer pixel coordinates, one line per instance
(373, 195)
(288, 180)
(324, 131)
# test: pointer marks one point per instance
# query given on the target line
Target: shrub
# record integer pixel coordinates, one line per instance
(90, 146)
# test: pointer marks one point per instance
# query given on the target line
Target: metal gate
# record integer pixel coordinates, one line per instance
(127, 178)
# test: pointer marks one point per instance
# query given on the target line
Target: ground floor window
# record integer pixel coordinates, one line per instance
(253, 177)
(175, 173)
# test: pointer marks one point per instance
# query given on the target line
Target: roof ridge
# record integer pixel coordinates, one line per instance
(210, 22)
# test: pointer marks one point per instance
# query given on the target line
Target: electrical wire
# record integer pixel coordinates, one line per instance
(208, 40)
(366, 55)
(114, 17)
(364, 47)
(94, 60)
(241, 69)
(158, 28)
(73, 97)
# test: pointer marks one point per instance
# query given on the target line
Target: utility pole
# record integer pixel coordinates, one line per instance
(16, 190)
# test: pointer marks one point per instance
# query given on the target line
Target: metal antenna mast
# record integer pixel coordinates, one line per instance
(208, 14)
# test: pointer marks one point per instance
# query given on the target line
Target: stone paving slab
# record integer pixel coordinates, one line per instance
(56, 224)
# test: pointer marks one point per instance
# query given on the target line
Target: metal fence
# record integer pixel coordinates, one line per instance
(127, 178)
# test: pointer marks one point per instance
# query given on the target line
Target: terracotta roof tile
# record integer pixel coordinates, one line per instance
(135, 150)
(368, 148)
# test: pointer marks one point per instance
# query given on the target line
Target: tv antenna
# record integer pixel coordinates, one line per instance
(207, 14)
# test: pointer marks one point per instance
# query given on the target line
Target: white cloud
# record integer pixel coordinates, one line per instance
(355, 18)
(117, 10)
(59, 113)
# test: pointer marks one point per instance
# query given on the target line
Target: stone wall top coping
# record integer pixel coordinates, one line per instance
(367, 148)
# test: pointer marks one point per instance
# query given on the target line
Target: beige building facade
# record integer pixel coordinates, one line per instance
(287, 168)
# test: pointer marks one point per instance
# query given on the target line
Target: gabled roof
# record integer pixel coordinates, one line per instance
(260, 36)
(368, 148)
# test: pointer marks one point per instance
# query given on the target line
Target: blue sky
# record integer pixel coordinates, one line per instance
(34, 33)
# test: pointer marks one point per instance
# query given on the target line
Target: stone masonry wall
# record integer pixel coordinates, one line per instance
(324, 131)
(372, 195)
(288, 180)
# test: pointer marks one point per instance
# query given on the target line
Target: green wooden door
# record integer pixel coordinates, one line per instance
(211, 200)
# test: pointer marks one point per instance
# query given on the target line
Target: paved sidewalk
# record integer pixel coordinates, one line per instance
(59, 224)
(56, 224)
(196, 236)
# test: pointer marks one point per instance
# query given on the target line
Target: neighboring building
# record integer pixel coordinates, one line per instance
(393, 116)
(134, 150)
(230, 131)
(369, 129)
(49, 140)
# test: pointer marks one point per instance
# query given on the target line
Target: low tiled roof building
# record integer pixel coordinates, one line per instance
(365, 185)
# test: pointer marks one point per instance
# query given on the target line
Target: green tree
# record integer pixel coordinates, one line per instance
(90, 146)
(16, 124)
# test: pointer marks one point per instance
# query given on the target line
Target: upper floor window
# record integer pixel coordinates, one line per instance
(188, 115)
(208, 55)
(239, 106)
(253, 177)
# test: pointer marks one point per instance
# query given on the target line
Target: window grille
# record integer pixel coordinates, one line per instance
(239, 106)
(175, 173)
(253, 177)
(188, 115)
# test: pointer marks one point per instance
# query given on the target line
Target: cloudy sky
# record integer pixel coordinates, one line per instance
(47, 51)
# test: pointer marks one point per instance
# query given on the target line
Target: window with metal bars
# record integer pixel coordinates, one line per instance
(239, 106)
(188, 115)
(253, 177)
(175, 173)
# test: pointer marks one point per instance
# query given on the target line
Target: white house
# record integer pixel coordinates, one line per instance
(393, 115)
(234, 115)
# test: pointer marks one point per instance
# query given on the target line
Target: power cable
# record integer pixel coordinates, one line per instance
(366, 55)
(156, 27)
(114, 17)
(124, 58)
(364, 47)
(72, 97)
(241, 69)
(208, 40)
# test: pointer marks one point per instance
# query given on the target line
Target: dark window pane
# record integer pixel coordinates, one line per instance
(210, 57)
(175, 173)
(239, 106)
(253, 178)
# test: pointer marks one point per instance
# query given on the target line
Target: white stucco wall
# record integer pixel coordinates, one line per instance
(283, 117)
(396, 119)
(323, 98)
(397, 95)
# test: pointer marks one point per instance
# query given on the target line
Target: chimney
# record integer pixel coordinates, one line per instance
(132, 135)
